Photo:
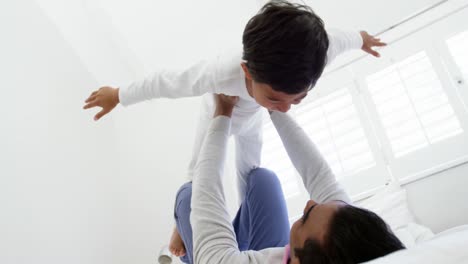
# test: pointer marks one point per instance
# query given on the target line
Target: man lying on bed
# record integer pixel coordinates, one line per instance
(330, 231)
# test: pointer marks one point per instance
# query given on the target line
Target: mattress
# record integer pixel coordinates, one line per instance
(448, 247)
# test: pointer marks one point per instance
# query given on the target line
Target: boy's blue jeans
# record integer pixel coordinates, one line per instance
(261, 222)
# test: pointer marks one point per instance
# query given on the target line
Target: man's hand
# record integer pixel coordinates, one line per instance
(369, 41)
(225, 104)
(106, 97)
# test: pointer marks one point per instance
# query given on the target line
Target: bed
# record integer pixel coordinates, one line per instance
(423, 246)
(448, 247)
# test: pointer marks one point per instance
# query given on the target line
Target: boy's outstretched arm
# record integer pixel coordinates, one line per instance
(207, 76)
(341, 41)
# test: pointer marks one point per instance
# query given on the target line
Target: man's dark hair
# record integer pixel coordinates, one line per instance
(285, 46)
(354, 235)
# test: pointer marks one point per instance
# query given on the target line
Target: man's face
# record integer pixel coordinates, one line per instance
(312, 225)
(273, 100)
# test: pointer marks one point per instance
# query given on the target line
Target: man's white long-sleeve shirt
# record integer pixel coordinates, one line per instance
(223, 75)
(214, 239)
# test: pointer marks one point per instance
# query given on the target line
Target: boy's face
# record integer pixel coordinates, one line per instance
(274, 100)
(265, 96)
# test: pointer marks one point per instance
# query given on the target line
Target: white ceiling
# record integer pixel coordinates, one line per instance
(131, 38)
(372, 15)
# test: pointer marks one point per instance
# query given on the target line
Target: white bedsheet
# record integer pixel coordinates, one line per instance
(448, 247)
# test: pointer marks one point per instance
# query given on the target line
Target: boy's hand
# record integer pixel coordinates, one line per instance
(369, 41)
(225, 104)
(106, 97)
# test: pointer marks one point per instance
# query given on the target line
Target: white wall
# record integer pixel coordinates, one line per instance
(57, 194)
(439, 201)
(73, 190)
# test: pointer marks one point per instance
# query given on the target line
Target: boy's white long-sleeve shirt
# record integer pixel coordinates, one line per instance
(214, 239)
(223, 75)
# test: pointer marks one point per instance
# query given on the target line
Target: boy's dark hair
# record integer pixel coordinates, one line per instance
(285, 46)
(355, 235)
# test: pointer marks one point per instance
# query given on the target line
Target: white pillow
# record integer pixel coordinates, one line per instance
(449, 248)
(413, 234)
(391, 205)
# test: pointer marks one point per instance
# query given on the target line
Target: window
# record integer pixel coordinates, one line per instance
(332, 117)
(458, 48)
(334, 126)
(397, 118)
(275, 158)
(412, 104)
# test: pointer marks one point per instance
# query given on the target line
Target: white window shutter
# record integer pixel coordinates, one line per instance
(275, 158)
(458, 48)
(412, 105)
(334, 126)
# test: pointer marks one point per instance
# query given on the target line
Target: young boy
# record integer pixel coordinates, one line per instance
(285, 50)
